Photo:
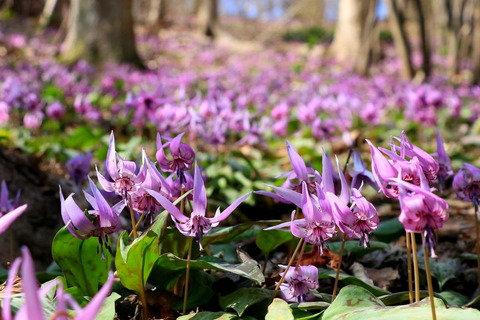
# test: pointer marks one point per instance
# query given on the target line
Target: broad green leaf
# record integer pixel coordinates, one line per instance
(403, 297)
(354, 247)
(316, 305)
(168, 268)
(279, 310)
(201, 290)
(454, 298)
(244, 298)
(269, 240)
(389, 230)
(349, 279)
(107, 312)
(80, 261)
(134, 261)
(443, 271)
(356, 303)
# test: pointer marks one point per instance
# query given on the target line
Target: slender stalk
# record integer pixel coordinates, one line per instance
(416, 273)
(300, 243)
(132, 217)
(265, 263)
(302, 250)
(142, 217)
(429, 279)
(143, 300)
(187, 275)
(409, 266)
(337, 274)
(477, 228)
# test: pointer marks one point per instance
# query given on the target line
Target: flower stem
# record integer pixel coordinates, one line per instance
(416, 273)
(143, 300)
(477, 228)
(300, 243)
(302, 250)
(187, 275)
(429, 279)
(138, 224)
(337, 274)
(132, 217)
(409, 266)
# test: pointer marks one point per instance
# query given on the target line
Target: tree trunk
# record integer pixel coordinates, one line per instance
(348, 32)
(400, 38)
(101, 31)
(476, 43)
(156, 18)
(420, 6)
(369, 37)
(207, 17)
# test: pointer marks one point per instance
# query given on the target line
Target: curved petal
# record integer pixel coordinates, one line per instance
(32, 304)
(295, 229)
(93, 307)
(167, 205)
(225, 213)
(297, 163)
(327, 173)
(7, 219)
(111, 161)
(199, 193)
(345, 188)
(12, 273)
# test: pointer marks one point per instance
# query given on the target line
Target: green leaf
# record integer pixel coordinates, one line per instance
(356, 303)
(354, 247)
(107, 312)
(349, 279)
(389, 230)
(168, 268)
(454, 298)
(80, 261)
(134, 261)
(228, 234)
(269, 240)
(279, 310)
(443, 271)
(244, 298)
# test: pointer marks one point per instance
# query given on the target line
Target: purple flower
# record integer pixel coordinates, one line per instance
(8, 218)
(181, 153)
(318, 224)
(298, 283)
(466, 184)
(78, 167)
(9, 209)
(360, 174)
(99, 222)
(300, 173)
(356, 222)
(32, 306)
(33, 120)
(421, 211)
(124, 178)
(445, 170)
(383, 170)
(197, 224)
(55, 110)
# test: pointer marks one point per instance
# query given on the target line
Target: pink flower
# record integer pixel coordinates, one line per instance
(298, 283)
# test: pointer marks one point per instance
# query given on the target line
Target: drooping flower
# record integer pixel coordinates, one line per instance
(298, 283)
(421, 211)
(466, 184)
(78, 167)
(383, 170)
(125, 179)
(358, 221)
(99, 222)
(32, 307)
(8, 218)
(445, 170)
(182, 156)
(197, 224)
(318, 224)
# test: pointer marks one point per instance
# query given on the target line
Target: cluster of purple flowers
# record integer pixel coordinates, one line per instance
(248, 99)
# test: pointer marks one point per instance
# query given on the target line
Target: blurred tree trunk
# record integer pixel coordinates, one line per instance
(368, 40)
(100, 31)
(207, 17)
(54, 13)
(476, 43)
(425, 45)
(397, 27)
(347, 40)
(157, 14)
(310, 12)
